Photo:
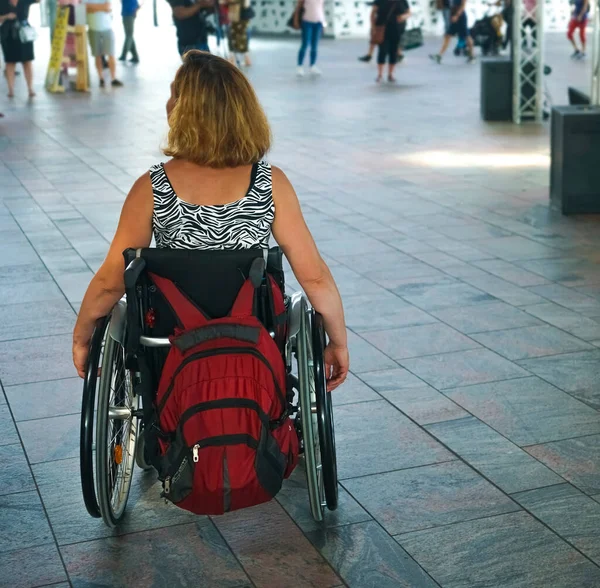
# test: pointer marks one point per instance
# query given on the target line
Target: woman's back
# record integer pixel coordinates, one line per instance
(198, 207)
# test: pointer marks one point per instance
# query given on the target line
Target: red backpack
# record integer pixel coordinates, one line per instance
(226, 441)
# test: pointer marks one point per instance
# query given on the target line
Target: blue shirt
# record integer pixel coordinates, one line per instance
(579, 7)
(129, 7)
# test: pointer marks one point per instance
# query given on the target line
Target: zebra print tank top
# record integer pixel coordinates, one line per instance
(242, 224)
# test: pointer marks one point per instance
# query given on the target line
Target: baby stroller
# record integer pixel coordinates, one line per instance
(487, 34)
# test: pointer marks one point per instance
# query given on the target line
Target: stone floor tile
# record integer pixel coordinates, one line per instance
(485, 317)
(569, 372)
(418, 341)
(502, 290)
(527, 410)
(70, 520)
(569, 513)
(258, 537)
(354, 390)
(16, 254)
(464, 368)
(512, 550)
(371, 263)
(576, 460)
(424, 405)
(438, 296)
(365, 555)
(156, 558)
(8, 431)
(510, 272)
(34, 292)
(514, 248)
(382, 311)
(350, 283)
(24, 523)
(15, 475)
(473, 232)
(42, 318)
(569, 298)
(428, 496)
(30, 273)
(36, 360)
(567, 320)
(501, 462)
(293, 497)
(35, 566)
(531, 342)
(374, 437)
(74, 284)
(45, 399)
(365, 357)
(405, 272)
(569, 271)
(394, 379)
(60, 438)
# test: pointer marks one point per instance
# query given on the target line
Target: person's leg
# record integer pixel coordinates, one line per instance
(445, 44)
(381, 55)
(314, 42)
(10, 78)
(128, 30)
(571, 34)
(470, 47)
(393, 56)
(28, 71)
(100, 69)
(582, 26)
(134, 52)
(306, 34)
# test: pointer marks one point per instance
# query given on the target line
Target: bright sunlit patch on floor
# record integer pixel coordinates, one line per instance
(448, 159)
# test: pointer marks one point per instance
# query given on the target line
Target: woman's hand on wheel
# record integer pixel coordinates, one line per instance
(80, 355)
(337, 363)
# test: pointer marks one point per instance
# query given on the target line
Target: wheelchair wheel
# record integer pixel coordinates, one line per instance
(116, 433)
(88, 408)
(316, 416)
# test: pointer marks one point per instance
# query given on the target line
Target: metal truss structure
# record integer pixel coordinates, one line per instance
(528, 54)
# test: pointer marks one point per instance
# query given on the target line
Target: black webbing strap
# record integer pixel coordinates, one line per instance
(206, 333)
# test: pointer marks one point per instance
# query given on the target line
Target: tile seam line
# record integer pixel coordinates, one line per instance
(39, 494)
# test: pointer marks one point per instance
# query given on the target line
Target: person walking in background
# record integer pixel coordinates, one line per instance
(239, 40)
(458, 27)
(579, 20)
(16, 38)
(311, 22)
(388, 17)
(129, 10)
(102, 39)
(190, 25)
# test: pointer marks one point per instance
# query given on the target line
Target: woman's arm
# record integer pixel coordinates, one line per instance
(9, 16)
(107, 286)
(294, 238)
(404, 16)
(584, 10)
(299, 5)
(374, 14)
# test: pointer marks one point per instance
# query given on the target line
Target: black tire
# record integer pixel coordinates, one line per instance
(324, 414)
(88, 407)
(115, 437)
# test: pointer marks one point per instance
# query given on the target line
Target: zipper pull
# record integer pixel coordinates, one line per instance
(195, 453)
(167, 485)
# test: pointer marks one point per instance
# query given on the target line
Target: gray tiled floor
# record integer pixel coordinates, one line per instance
(469, 431)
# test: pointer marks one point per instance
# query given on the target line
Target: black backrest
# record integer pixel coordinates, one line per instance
(211, 279)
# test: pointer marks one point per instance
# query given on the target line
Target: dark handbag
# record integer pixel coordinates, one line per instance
(378, 31)
(412, 39)
(291, 22)
(247, 13)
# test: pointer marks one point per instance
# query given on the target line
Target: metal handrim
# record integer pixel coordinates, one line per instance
(116, 434)
(307, 402)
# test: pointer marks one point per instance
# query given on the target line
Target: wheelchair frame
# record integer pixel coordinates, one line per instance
(109, 392)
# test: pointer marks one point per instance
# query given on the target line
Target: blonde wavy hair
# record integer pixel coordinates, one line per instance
(216, 120)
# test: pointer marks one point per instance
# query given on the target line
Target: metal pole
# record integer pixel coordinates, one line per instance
(516, 55)
(539, 64)
(595, 93)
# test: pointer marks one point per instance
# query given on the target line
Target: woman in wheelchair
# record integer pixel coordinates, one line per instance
(216, 194)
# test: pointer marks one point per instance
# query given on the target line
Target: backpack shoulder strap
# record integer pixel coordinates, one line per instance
(188, 315)
(244, 303)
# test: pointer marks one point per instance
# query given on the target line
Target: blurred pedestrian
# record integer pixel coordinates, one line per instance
(240, 14)
(579, 20)
(129, 9)
(458, 27)
(191, 27)
(310, 18)
(388, 22)
(17, 37)
(102, 39)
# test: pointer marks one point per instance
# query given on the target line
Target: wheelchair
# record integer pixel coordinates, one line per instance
(128, 349)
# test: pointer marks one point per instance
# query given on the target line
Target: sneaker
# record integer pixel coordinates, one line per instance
(400, 58)
(436, 58)
(102, 84)
(576, 54)
(315, 71)
(134, 60)
(391, 79)
(116, 84)
(365, 58)
(300, 72)
(581, 55)
(122, 58)
(470, 59)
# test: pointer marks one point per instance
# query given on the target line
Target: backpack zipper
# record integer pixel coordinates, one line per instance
(222, 351)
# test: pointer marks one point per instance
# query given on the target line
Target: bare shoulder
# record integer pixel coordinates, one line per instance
(281, 184)
(140, 194)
